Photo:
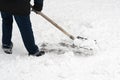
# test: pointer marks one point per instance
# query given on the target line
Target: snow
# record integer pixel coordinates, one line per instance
(95, 19)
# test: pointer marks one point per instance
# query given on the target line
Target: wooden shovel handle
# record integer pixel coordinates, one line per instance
(56, 25)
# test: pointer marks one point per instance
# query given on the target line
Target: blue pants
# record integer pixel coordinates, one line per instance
(25, 28)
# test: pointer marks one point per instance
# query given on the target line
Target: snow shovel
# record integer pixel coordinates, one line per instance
(63, 31)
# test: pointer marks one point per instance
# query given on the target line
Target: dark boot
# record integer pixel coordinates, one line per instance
(37, 54)
(7, 48)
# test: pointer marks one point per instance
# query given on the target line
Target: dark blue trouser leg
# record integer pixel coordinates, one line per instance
(25, 28)
(7, 21)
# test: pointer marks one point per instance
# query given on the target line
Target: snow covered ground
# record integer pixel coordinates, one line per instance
(95, 19)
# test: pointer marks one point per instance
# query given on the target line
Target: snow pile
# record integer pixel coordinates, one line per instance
(89, 43)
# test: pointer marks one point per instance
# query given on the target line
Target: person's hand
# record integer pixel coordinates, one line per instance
(37, 7)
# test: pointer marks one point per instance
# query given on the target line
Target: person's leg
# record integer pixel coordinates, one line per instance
(25, 28)
(7, 21)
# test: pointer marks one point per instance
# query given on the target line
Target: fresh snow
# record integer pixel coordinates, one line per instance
(95, 19)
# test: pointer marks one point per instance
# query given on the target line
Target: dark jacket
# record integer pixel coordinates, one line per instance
(17, 7)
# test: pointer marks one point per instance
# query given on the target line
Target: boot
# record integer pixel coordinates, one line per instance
(37, 54)
(7, 48)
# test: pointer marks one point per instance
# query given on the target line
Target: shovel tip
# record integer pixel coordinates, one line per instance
(72, 37)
